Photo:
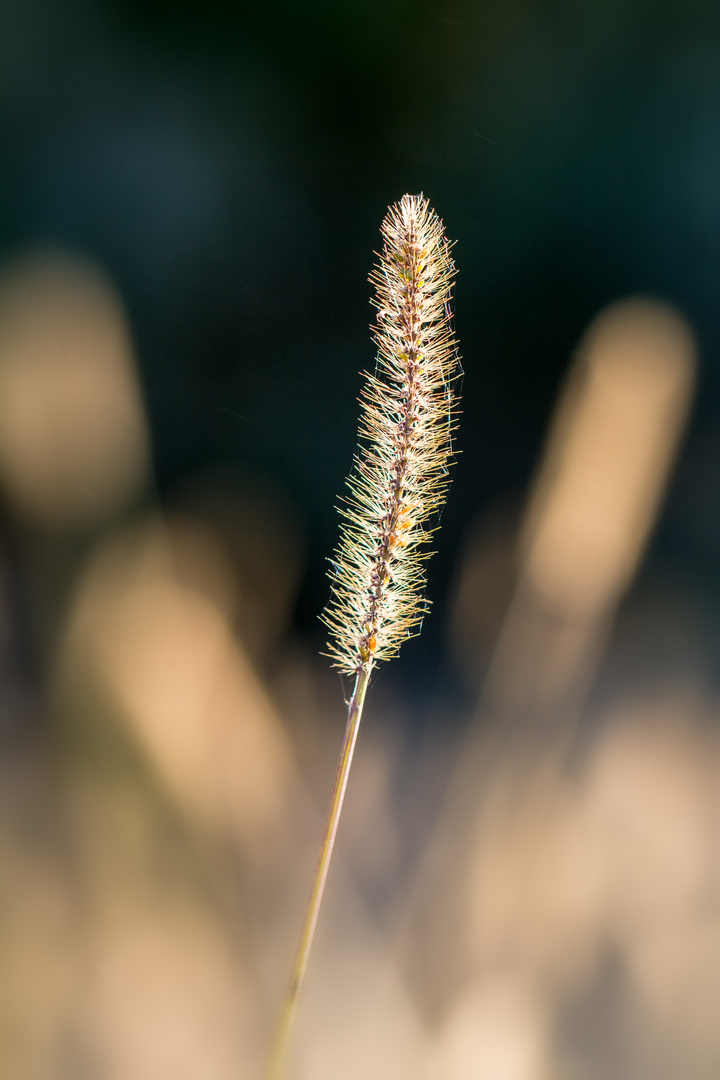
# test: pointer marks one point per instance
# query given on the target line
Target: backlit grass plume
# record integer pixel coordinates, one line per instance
(399, 480)
(401, 471)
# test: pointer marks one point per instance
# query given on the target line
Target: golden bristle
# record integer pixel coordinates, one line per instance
(400, 474)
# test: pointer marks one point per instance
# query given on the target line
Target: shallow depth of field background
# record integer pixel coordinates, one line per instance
(527, 884)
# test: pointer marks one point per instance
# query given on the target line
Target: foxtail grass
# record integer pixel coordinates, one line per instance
(398, 483)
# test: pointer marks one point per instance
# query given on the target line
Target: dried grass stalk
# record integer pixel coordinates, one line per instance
(399, 480)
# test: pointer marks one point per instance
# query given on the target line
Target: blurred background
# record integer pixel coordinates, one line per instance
(527, 883)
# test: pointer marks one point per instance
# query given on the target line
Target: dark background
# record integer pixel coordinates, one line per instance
(230, 164)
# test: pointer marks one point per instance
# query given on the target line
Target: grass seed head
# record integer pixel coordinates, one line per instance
(400, 474)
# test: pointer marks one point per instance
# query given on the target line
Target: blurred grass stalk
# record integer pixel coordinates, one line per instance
(594, 503)
(595, 499)
(400, 478)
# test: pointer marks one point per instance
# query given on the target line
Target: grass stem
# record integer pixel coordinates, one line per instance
(280, 1045)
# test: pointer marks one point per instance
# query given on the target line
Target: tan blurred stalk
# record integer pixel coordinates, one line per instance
(150, 633)
(151, 672)
(74, 445)
(594, 502)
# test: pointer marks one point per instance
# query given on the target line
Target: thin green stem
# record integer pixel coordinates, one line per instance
(297, 974)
